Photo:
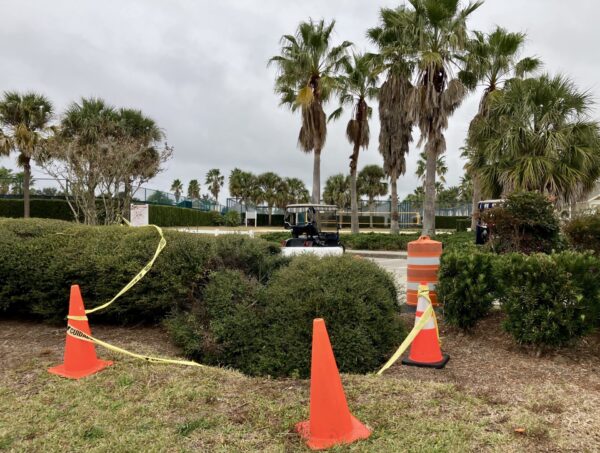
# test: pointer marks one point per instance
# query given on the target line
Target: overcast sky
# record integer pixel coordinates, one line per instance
(199, 69)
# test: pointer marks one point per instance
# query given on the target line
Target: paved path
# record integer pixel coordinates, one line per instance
(393, 262)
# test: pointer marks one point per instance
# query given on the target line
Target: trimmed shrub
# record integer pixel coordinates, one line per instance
(41, 259)
(377, 241)
(584, 272)
(268, 330)
(48, 209)
(543, 306)
(583, 232)
(467, 287)
(525, 223)
(171, 216)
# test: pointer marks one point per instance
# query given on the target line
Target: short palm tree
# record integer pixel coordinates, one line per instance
(538, 137)
(492, 59)
(25, 120)
(297, 191)
(306, 68)
(337, 192)
(396, 46)
(193, 191)
(356, 84)
(243, 186)
(215, 181)
(440, 168)
(269, 184)
(371, 182)
(177, 189)
(440, 31)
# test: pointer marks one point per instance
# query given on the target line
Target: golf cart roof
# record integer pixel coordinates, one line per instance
(307, 206)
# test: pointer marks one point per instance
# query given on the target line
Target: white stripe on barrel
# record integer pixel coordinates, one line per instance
(414, 286)
(423, 261)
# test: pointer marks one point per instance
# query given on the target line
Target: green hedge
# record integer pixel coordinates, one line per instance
(42, 208)
(384, 241)
(171, 216)
(231, 300)
(549, 300)
(447, 222)
(42, 258)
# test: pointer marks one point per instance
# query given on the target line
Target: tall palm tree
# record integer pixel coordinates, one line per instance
(492, 59)
(440, 168)
(269, 184)
(441, 36)
(215, 181)
(395, 58)
(193, 191)
(306, 69)
(538, 136)
(25, 120)
(337, 192)
(356, 84)
(372, 184)
(177, 189)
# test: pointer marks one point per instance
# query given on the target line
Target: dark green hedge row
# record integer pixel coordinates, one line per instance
(384, 241)
(48, 209)
(171, 216)
(230, 300)
(448, 222)
(549, 300)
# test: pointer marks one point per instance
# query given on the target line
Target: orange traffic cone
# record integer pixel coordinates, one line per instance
(425, 349)
(80, 355)
(330, 422)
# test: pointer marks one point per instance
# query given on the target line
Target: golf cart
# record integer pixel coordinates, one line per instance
(482, 231)
(314, 230)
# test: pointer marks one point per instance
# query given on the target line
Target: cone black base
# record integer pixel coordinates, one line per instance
(438, 365)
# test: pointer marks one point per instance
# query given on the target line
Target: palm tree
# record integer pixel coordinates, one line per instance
(6, 179)
(306, 69)
(269, 184)
(440, 33)
(215, 181)
(193, 191)
(537, 136)
(492, 60)
(143, 133)
(395, 58)
(243, 185)
(371, 183)
(356, 84)
(25, 120)
(297, 191)
(440, 168)
(177, 189)
(337, 192)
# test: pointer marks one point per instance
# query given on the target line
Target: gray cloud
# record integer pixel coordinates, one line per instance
(199, 69)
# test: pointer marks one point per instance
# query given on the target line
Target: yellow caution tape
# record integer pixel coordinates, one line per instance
(428, 313)
(161, 245)
(85, 337)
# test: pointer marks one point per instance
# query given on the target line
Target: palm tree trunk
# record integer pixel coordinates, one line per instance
(316, 187)
(394, 227)
(371, 213)
(476, 200)
(353, 192)
(429, 202)
(270, 214)
(26, 180)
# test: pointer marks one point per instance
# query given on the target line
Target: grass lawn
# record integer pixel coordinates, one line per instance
(475, 404)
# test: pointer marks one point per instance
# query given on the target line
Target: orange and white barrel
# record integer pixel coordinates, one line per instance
(423, 266)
